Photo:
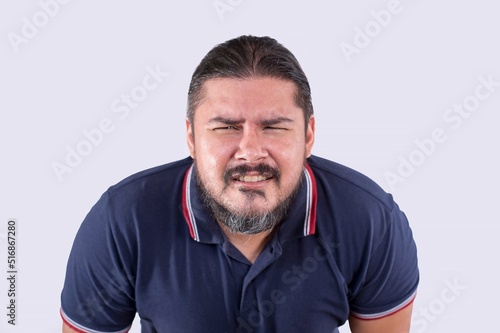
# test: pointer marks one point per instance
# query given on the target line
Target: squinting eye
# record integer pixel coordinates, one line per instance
(275, 128)
(225, 128)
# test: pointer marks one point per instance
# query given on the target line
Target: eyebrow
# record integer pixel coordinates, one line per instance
(224, 120)
(274, 121)
(265, 122)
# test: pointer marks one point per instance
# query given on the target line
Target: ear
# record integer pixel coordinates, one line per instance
(190, 137)
(311, 127)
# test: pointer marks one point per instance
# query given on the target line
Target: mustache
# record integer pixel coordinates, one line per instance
(243, 169)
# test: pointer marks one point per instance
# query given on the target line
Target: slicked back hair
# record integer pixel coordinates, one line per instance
(246, 57)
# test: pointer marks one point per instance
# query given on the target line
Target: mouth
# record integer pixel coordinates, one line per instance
(251, 175)
(252, 179)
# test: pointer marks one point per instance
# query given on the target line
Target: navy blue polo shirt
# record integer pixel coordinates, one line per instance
(150, 246)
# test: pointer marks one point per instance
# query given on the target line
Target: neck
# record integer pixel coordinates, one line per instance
(249, 245)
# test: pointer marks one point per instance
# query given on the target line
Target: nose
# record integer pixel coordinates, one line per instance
(251, 147)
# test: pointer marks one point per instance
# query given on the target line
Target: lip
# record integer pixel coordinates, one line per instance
(258, 176)
(252, 185)
(252, 177)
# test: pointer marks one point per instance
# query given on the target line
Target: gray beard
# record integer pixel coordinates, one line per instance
(247, 221)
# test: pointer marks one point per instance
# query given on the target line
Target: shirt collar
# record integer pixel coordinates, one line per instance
(300, 222)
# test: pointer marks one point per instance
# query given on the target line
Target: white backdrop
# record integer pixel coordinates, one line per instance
(407, 92)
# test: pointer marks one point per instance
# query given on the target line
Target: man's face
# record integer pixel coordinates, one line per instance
(249, 142)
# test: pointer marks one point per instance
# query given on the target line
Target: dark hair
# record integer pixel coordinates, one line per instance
(250, 56)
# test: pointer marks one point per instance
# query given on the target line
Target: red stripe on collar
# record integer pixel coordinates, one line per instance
(186, 205)
(312, 201)
(310, 218)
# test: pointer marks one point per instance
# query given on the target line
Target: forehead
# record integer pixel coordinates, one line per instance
(249, 95)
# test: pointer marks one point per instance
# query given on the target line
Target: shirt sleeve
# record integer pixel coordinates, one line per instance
(391, 277)
(98, 293)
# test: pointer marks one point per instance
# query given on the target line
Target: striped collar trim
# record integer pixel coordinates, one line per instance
(187, 209)
(311, 204)
(309, 227)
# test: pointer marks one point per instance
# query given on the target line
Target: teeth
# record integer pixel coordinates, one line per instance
(251, 179)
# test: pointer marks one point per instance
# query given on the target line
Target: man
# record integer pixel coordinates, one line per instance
(251, 233)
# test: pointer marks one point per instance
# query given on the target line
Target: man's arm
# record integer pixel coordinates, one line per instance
(67, 329)
(398, 322)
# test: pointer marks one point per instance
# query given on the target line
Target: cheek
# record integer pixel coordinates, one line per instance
(290, 152)
(213, 155)
(290, 157)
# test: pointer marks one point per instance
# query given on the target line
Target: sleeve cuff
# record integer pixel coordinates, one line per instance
(82, 329)
(389, 312)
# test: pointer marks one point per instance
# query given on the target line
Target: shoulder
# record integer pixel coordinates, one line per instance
(139, 209)
(145, 199)
(167, 172)
(365, 224)
(341, 183)
(149, 183)
(351, 208)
